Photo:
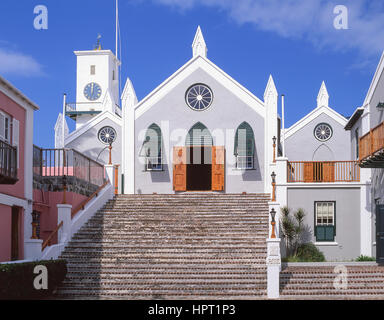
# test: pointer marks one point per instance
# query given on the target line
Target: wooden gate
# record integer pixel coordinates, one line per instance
(179, 169)
(218, 168)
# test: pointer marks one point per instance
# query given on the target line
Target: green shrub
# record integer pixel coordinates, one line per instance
(16, 279)
(308, 252)
(365, 258)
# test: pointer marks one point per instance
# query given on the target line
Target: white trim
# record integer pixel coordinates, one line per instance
(313, 115)
(91, 123)
(13, 201)
(375, 81)
(326, 243)
(12, 92)
(187, 69)
(324, 184)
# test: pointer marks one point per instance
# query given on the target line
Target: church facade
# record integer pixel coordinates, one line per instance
(202, 131)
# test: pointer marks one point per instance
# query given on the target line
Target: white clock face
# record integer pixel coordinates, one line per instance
(92, 91)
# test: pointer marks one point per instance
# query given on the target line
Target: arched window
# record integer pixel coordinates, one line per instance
(244, 147)
(151, 149)
(199, 135)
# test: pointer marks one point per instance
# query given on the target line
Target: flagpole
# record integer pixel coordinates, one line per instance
(117, 25)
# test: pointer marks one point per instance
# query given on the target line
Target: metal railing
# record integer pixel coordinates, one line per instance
(75, 107)
(371, 142)
(8, 163)
(67, 162)
(323, 171)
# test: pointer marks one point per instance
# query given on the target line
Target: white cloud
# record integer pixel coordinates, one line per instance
(16, 63)
(311, 20)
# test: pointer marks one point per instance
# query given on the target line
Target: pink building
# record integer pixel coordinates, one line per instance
(16, 178)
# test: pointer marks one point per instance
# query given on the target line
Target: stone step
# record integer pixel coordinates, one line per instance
(159, 276)
(216, 250)
(163, 246)
(154, 294)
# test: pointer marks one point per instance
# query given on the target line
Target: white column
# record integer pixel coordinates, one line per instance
(110, 171)
(283, 123)
(365, 213)
(32, 249)
(64, 214)
(129, 100)
(273, 268)
(281, 181)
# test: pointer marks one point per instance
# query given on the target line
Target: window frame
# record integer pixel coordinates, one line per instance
(333, 225)
(7, 129)
(246, 162)
(357, 147)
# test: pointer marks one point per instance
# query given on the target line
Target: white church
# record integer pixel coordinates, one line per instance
(202, 131)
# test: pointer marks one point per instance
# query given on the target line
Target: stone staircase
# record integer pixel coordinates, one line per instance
(188, 246)
(317, 282)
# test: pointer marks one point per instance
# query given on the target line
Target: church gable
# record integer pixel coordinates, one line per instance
(204, 67)
(324, 139)
(224, 107)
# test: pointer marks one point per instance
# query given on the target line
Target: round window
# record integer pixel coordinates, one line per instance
(199, 97)
(323, 132)
(107, 135)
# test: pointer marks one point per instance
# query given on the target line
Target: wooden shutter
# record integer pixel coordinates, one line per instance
(308, 171)
(218, 168)
(179, 169)
(15, 137)
(329, 172)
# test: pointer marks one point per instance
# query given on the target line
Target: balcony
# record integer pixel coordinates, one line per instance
(83, 174)
(8, 163)
(323, 171)
(73, 110)
(371, 148)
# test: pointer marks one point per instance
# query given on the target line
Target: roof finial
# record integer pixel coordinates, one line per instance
(323, 96)
(199, 46)
(98, 44)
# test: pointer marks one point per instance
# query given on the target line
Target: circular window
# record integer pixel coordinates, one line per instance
(199, 97)
(323, 132)
(107, 135)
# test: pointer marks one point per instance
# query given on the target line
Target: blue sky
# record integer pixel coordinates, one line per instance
(293, 40)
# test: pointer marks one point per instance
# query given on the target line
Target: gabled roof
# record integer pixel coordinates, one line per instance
(313, 115)
(91, 123)
(214, 71)
(353, 119)
(375, 80)
(7, 85)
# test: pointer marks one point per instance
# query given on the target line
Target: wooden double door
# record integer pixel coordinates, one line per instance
(199, 168)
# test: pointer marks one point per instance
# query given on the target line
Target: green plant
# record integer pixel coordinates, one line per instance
(292, 229)
(365, 258)
(16, 279)
(308, 252)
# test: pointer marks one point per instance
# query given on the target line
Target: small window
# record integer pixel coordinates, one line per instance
(244, 147)
(357, 142)
(325, 226)
(152, 149)
(5, 127)
(93, 70)
(113, 75)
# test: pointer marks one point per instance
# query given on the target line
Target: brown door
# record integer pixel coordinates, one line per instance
(15, 234)
(218, 169)
(308, 171)
(329, 171)
(179, 169)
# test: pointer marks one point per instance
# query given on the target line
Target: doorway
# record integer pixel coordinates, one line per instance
(380, 233)
(199, 168)
(15, 233)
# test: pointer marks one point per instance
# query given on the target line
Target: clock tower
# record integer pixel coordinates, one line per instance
(97, 87)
